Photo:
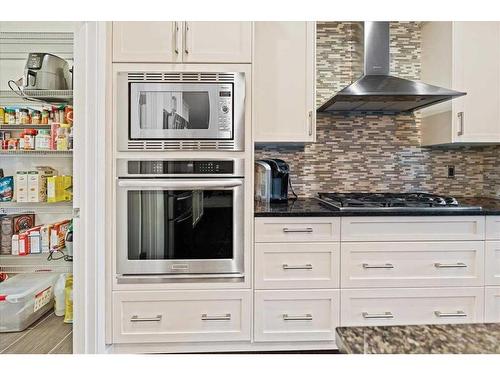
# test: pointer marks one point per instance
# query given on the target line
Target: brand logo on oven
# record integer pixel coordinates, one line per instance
(179, 267)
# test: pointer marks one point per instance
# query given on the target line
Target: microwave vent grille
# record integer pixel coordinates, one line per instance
(180, 77)
(203, 145)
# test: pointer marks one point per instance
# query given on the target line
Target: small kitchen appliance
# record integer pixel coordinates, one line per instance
(44, 71)
(271, 180)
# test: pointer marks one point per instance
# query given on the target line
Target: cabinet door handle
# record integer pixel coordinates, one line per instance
(450, 265)
(297, 230)
(460, 123)
(298, 267)
(310, 123)
(216, 317)
(186, 28)
(176, 29)
(387, 266)
(456, 314)
(307, 317)
(385, 315)
(136, 318)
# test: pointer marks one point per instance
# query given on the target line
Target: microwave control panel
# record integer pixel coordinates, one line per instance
(225, 104)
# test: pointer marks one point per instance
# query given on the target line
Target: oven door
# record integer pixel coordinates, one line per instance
(180, 227)
(180, 111)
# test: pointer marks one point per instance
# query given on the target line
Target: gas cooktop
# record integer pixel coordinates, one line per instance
(392, 201)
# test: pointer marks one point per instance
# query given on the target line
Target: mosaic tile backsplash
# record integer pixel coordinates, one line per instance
(378, 153)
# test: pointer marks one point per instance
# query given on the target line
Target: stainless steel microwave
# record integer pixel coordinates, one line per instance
(180, 111)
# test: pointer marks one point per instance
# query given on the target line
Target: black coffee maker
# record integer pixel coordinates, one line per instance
(280, 175)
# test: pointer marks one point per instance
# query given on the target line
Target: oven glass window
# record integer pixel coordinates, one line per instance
(174, 110)
(181, 224)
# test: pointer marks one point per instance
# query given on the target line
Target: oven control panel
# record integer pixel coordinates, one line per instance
(176, 167)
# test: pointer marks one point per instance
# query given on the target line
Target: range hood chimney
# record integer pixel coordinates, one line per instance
(376, 90)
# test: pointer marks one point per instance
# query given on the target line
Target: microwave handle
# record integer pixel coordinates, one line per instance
(180, 184)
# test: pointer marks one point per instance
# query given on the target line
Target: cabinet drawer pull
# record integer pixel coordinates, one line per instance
(450, 265)
(460, 123)
(216, 317)
(307, 317)
(310, 116)
(298, 267)
(176, 30)
(298, 230)
(136, 318)
(456, 314)
(385, 315)
(387, 265)
(186, 28)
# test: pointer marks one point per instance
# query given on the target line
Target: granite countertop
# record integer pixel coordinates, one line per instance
(421, 339)
(313, 207)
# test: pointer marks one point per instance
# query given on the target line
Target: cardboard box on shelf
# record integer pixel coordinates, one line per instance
(10, 225)
(58, 234)
(45, 237)
(37, 183)
(34, 240)
(21, 186)
(59, 188)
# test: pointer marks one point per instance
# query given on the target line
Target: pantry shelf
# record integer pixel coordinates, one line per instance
(43, 96)
(24, 126)
(33, 263)
(36, 153)
(35, 207)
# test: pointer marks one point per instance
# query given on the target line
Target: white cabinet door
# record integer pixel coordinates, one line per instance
(477, 70)
(297, 229)
(284, 81)
(221, 42)
(492, 304)
(492, 268)
(493, 227)
(146, 41)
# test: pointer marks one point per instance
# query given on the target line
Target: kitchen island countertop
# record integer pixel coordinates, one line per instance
(480, 338)
(313, 207)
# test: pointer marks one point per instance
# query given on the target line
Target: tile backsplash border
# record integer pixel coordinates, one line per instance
(378, 152)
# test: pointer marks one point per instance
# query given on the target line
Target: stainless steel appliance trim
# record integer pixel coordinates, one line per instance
(298, 267)
(216, 317)
(457, 314)
(179, 278)
(136, 318)
(450, 265)
(238, 171)
(206, 267)
(298, 230)
(305, 317)
(181, 184)
(385, 315)
(369, 266)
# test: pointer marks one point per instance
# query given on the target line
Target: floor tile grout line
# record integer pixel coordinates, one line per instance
(60, 342)
(28, 330)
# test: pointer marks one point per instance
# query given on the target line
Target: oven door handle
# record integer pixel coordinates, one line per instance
(181, 184)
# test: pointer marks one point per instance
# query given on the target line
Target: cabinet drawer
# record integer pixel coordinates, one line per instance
(372, 307)
(492, 305)
(412, 264)
(303, 229)
(296, 315)
(493, 227)
(297, 265)
(492, 255)
(181, 316)
(413, 228)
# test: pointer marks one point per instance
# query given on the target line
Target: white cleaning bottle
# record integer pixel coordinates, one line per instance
(59, 295)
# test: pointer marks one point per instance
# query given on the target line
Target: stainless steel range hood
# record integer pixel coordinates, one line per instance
(376, 90)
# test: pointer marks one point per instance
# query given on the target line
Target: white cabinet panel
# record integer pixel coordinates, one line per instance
(297, 265)
(412, 264)
(363, 307)
(146, 42)
(180, 316)
(297, 229)
(221, 42)
(284, 81)
(492, 305)
(298, 315)
(492, 269)
(413, 228)
(493, 227)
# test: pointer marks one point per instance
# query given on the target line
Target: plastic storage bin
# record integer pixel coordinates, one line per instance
(25, 298)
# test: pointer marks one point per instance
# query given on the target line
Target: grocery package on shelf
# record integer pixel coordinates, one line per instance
(57, 137)
(12, 225)
(20, 236)
(59, 189)
(31, 185)
(6, 189)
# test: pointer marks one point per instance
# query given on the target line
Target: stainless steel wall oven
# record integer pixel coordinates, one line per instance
(180, 217)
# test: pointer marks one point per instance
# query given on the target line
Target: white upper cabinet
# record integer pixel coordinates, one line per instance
(284, 81)
(203, 42)
(146, 42)
(464, 56)
(222, 42)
